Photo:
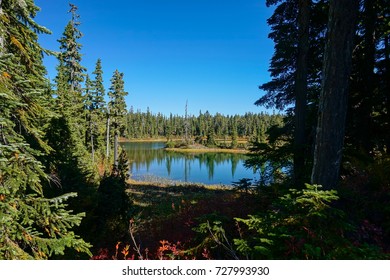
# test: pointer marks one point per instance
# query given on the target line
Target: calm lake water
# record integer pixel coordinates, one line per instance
(150, 162)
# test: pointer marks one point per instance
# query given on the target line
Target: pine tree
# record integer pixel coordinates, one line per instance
(31, 224)
(117, 110)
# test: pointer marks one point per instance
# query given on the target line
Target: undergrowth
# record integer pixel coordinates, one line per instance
(271, 223)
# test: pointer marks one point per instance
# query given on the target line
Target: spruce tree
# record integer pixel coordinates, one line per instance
(70, 53)
(67, 133)
(117, 109)
(95, 106)
(88, 108)
(98, 92)
(32, 225)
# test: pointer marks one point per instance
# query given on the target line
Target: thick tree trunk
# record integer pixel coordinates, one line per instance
(301, 93)
(333, 99)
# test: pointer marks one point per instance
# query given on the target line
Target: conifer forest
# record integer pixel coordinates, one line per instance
(66, 188)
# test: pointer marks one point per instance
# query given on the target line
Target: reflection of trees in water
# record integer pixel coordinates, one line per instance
(210, 160)
(144, 154)
(235, 160)
(168, 164)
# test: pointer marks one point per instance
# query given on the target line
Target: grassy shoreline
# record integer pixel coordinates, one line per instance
(189, 149)
(208, 150)
(169, 183)
(145, 140)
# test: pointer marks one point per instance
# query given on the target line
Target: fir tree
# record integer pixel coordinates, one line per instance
(98, 92)
(67, 133)
(31, 224)
(95, 106)
(298, 30)
(89, 116)
(70, 53)
(117, 109)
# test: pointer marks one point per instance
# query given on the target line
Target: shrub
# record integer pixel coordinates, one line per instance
(303, 225)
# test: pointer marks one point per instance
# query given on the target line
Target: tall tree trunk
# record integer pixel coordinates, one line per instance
(387, 88)
(365, 124)
(333, 99)
(186, 125)
(301, 93)
(1, 31)
(92, 147)
(116, 152)
(108, 138)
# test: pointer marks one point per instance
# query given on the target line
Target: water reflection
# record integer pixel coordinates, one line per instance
(150, 160)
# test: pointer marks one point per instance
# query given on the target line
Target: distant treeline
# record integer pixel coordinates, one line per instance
(149, 125)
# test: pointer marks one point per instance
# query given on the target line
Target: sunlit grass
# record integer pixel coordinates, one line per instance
(208, 150)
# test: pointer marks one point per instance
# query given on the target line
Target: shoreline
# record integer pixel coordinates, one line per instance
(145, 140)
(191, 149)
(167, 184)
(207, 150)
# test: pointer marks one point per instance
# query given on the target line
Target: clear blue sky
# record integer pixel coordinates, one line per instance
(213, 53)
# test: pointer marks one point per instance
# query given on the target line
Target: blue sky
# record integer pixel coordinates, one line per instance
(213, 53)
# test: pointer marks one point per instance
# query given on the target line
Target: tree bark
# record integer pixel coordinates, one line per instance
(334, 93)
(301, 93)
(92, 147)
(387, 76)
(1, 31)
(365, 123)
(108, 138)
(116, 152)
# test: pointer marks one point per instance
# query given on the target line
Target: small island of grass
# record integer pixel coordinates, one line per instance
(198, 148)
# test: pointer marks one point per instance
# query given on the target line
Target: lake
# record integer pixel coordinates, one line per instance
(150, 162)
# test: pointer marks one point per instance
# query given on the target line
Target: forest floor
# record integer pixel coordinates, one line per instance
(171, 212)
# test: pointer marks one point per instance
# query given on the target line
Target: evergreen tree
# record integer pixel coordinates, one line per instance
(117, 109)
(368, 99)
(187, 135)
(334, 95)
(95, 106)
(70, 160)
(88, 108)
(70, 53)
(300, 91)
(298, 30)
(98, 102)
(31, 224)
